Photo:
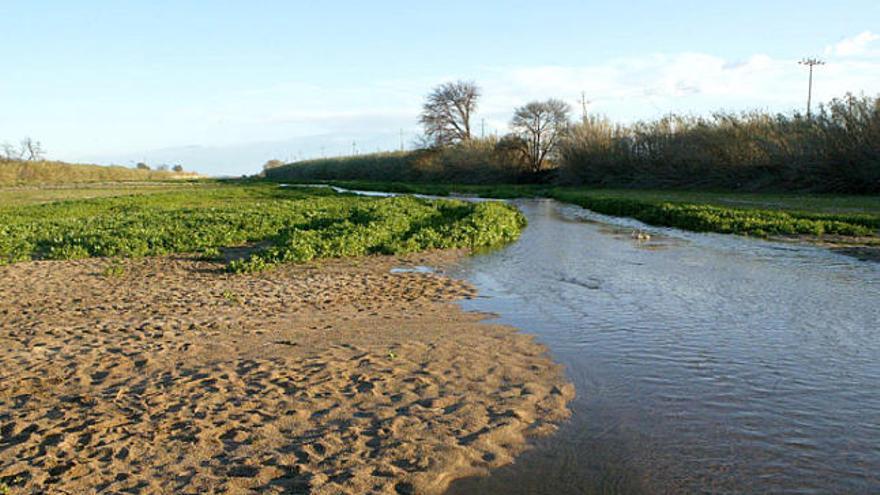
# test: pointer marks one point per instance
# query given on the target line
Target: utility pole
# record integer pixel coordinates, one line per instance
(401, 139)
(482, 128)
(810, 62)
(584, 103)
(354, 148)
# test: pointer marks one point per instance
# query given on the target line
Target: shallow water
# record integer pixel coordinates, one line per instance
(703, 363)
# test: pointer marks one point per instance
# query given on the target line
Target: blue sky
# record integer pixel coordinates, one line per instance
(223, 86)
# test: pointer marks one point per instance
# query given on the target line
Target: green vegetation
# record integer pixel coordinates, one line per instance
(29, 195)
(735, 213)
(387, 226)
(476, 161)
(299, 225)
(19, 172)
(727, 220)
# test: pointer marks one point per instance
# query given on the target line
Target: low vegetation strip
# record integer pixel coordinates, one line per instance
(297, 225)
(731, 213)
(20, 172)
(708, 218)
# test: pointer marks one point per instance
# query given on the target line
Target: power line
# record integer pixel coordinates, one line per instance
(810, 62)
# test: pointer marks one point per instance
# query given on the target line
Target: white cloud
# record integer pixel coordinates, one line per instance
(646, 87)
(859, 44)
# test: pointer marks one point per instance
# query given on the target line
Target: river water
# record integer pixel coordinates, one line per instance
(703, 363)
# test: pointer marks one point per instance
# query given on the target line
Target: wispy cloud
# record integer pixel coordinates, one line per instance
(860, 44)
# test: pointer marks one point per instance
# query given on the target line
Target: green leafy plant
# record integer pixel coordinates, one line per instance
(297, 224)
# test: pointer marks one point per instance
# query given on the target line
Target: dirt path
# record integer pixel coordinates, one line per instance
(168, 376)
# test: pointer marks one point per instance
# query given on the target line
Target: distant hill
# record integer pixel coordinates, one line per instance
(44, 172)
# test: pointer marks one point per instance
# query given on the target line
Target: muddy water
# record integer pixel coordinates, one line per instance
(703, 363)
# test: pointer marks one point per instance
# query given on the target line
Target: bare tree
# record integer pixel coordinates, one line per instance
(540, 125)
(446, 115)
(10, 152)
(31, 150)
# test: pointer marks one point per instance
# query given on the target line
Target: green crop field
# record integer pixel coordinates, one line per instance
(291, 224)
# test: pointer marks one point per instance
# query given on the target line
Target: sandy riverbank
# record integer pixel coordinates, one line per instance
(169, 376)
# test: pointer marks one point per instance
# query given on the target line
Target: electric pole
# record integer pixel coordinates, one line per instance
(584, 103)
(810, 62)
(482, 128)
(401, 139)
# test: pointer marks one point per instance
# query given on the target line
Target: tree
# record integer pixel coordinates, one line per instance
(28, 149)
(446, 115)
(31, 150)
(540, 125)
(272, 164)
(177, 168)
(10, 153)
(142, 166)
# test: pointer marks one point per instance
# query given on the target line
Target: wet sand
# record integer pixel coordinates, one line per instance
(169, 376)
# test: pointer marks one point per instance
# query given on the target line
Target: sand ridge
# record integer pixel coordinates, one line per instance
(166, 375)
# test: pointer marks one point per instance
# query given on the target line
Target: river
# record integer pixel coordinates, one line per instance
(703, 363)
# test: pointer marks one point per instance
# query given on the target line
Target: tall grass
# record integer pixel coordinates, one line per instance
(18, 172)
(837, 150)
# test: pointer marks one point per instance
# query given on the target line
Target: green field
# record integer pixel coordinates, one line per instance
(30, 195)
(290, 225)
(756, 214)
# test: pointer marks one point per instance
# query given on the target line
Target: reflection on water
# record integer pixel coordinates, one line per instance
(703, 363)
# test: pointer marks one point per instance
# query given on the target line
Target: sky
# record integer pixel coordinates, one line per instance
(223, 86)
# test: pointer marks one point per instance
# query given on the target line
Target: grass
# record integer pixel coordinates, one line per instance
(18, 172)
(294, 224)
(30, 195)
(756, 214)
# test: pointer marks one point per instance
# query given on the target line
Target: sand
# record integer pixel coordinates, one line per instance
(167, 375)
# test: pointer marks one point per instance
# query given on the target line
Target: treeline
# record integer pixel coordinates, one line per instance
(25, 172)
(836, 149)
